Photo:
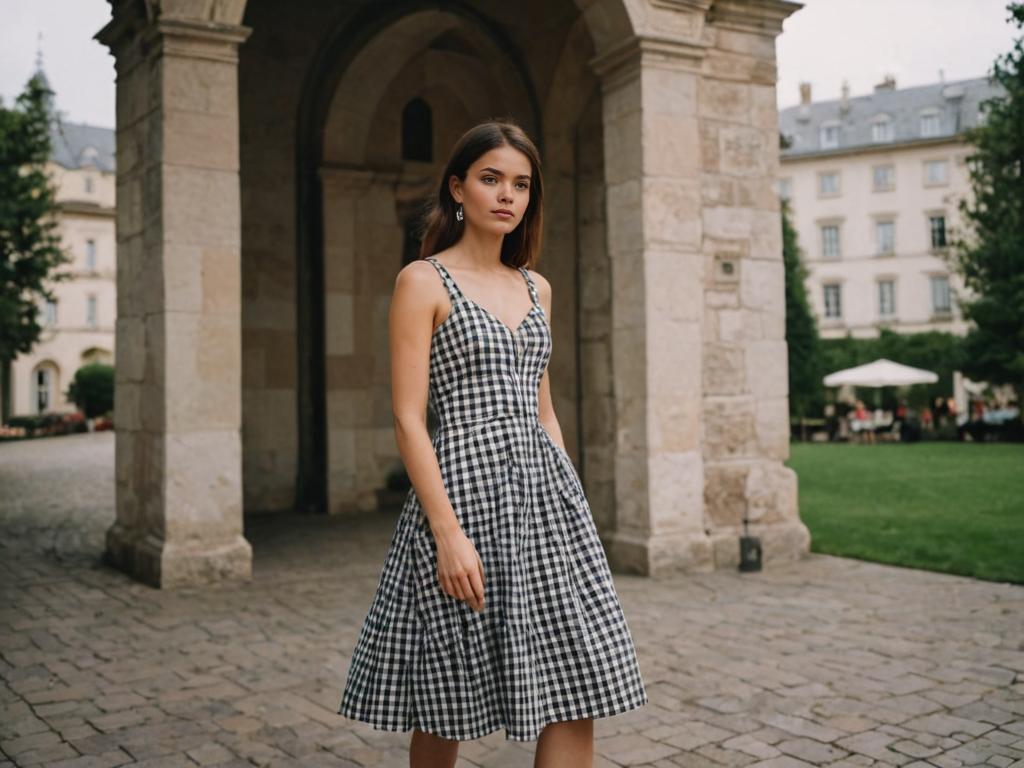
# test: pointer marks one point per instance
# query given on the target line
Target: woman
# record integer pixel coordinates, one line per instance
(495, 606)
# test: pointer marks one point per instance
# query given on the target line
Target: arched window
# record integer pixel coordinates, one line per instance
(89, 156)
(417, 131)
(44, 386)
(97, 355)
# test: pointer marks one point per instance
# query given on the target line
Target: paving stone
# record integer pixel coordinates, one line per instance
(786, 668)
(874, 744)
(914, 748)
(948, 725)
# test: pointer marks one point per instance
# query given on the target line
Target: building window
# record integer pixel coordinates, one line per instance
(931, 124)
(937, 228)
(881, 129)
(941, 303)
(883, 177)
(417, 131)
(786, 189)
(49, 319)
(88, 184)
(935, 172)
(43, 381)
(828, 184)
(833, 308)
(830, 241)
(886, 298)
(90, 255)
(885, 237)
(829, 136)
(90, 310)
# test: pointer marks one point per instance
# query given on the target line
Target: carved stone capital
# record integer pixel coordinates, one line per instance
(133, 36)
(763, 17)
(623, 62)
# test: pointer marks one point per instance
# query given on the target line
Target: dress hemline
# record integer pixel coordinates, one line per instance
(579, 713)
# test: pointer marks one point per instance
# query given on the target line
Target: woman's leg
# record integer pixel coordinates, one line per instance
(566, 744)
(429, 751)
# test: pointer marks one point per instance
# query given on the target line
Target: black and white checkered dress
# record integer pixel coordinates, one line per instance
(551, 643)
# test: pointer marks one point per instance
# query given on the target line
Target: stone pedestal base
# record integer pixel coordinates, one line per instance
(168, 565)
(700, 553)
(780, 542)
(659, 554)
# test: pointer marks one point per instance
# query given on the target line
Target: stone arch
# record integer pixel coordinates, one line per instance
(97, 355)
(354, 92)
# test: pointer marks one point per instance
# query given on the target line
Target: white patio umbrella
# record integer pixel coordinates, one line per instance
(880, 373)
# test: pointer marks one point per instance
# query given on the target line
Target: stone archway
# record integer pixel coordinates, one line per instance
(367, 188)
(682, 355)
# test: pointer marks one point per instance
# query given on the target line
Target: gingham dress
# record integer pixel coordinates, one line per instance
(551, 643)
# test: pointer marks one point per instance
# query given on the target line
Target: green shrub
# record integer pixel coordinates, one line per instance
(92, 389)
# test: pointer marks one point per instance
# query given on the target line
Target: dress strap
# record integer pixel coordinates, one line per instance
(453, 289)
(533, 288)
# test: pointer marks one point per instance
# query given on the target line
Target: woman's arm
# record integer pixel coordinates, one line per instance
(546, 409)
(416, 298)
(411, 326)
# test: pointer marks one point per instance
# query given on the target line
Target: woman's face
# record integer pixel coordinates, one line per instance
(498, 181)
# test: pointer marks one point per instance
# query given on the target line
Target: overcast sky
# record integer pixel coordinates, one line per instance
(822, 43)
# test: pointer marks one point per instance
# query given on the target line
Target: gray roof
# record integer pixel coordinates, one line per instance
(75, 143)
(956, 103)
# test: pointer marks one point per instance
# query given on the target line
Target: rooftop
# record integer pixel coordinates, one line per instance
(886, 116)
(78, 145)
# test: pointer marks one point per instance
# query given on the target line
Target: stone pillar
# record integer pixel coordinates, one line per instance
(362, 253)
(652, 176)
(746, 404)
(178, 381)
(698, 310)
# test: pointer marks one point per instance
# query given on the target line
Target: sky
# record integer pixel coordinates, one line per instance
(823, 43)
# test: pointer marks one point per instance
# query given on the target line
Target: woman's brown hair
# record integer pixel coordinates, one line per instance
(441, 230)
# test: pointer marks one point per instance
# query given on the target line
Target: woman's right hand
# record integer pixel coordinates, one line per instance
(459, 567)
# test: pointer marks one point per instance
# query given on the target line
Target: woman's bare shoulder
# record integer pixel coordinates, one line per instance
(543, 286)
(416, 275)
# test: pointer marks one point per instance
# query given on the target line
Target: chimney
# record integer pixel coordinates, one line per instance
(805, 93)
(888, 84)
(844, 99)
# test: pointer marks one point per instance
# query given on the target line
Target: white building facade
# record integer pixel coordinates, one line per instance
(873, 184)
(79, 325)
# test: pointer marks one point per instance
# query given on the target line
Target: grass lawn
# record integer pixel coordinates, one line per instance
(952, 507)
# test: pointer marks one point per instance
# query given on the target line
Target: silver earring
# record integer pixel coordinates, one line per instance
(458, 213)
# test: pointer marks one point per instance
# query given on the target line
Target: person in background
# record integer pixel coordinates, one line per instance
(861, 423)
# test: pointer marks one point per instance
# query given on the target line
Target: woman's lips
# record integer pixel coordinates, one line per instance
(502, 214)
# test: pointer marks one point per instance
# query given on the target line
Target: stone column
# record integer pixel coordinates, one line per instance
(178, 382)
(652, 174)
(746, 404)
(698, 303)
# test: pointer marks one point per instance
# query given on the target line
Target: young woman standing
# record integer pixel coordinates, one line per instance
(495, 606)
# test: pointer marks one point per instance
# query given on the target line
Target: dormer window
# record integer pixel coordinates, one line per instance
(882, 128)
(89, 156)
(931, 123)
(829, 135)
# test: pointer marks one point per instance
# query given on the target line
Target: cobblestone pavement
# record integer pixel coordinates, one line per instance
(827, 661)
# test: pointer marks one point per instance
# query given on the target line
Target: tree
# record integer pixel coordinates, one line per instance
(29, 243)
(92, 389)
(805, 387)
(989, 252)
